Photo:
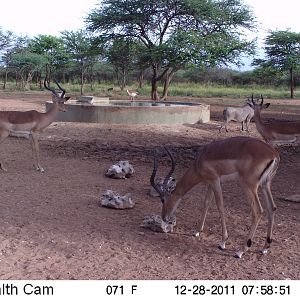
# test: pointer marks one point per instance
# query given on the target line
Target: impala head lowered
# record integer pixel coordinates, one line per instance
(250, 160)
(162, 190)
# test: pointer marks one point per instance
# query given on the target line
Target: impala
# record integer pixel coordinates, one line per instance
(31, 122)
(275, 133)
(250, 160)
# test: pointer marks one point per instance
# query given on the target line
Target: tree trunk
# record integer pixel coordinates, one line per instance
(292, 83)
(81, 84)
(81, 77)
(91, 77)
(168, 78)
(5, 78)
(28, 81)
(64, 76)
(154, 84)
(154, 91)
(141, 78)
(123, 79)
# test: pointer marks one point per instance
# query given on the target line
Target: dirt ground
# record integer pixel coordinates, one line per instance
(53, 227)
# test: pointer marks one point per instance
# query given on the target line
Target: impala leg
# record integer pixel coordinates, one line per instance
(3, 135)
(208, 197)
(256, 214)
(271, 208)
(217, 190)
(36, 152)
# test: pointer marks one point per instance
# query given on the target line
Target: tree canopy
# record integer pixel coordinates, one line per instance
(157, 41)
(282, 50)
(175, 33)
(5, 38)
(121, 54)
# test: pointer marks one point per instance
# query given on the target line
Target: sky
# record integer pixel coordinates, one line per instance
(50, 17)
(275, 15)
(34, 17)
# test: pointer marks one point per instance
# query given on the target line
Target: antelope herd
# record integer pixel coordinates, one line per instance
(251, 161)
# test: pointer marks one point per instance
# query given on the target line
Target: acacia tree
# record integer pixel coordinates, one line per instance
(282, 53)
(26, 64)
(10, 60)
(53, 49)
(174, 32)
(5, 38)
(82, 49)
(6, 43)
(121, 55)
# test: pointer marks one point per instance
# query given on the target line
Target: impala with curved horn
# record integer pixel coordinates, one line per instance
(250, 160)
(275, 133)
(31, 122)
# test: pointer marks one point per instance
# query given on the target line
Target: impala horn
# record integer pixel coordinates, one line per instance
(161, 190)
(49, 88)
(252, 100)
(63, 90)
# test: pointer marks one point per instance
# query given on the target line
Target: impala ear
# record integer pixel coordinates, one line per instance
(266, 105)
(67, 98)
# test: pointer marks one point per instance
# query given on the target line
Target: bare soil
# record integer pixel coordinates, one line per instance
(53, 227)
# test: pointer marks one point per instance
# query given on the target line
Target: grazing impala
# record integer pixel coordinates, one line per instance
(250, 160)
(275, 133)
(31, 122)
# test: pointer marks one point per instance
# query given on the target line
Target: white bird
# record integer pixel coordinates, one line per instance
(132, 94)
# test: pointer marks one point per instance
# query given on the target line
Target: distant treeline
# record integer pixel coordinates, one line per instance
(104, 73)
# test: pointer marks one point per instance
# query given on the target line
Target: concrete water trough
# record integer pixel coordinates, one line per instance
(103, 110)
